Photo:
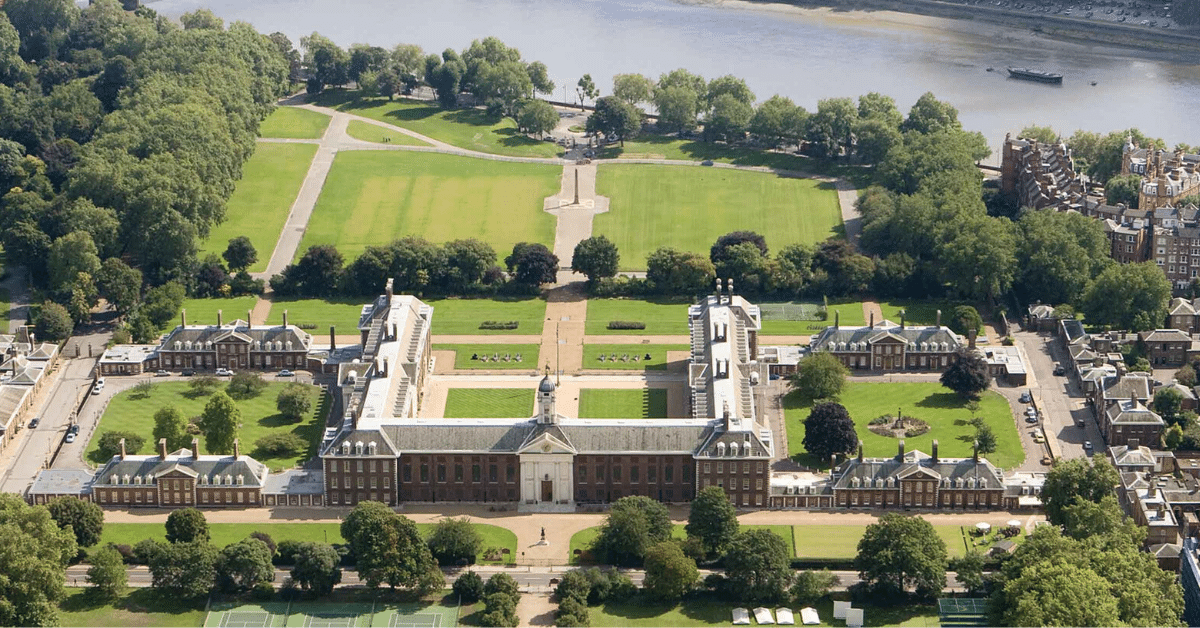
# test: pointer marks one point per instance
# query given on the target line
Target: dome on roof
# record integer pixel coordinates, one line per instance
(547, 385)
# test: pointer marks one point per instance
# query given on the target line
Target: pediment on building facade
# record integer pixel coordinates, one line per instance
(918, 472)
(547, 442)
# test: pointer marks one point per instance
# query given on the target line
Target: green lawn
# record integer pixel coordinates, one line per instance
(657, 353)
(259, 207)
(662, 317)
(689, 208)
(489, 403)
(294, 123)
(466, 128)
(619, 403)
(711, 611)
(463, 353)
(463, 316)
(204, 311)
(375, 197)
(129, 412)
(223, 534)
(316, 315)
(841, 541)
(774, 323)
(368, 132)
(135, 607)
(945, 412)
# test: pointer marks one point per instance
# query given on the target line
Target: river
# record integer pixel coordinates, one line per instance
(805, 54)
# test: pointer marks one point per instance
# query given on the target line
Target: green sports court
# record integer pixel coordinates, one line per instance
(316, 614)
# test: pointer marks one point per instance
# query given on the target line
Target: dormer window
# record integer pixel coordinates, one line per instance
(358, 448)
(241, 479)
(733, 449)
(228, 480)
(720, 449)
(346, 448)
(372, 447)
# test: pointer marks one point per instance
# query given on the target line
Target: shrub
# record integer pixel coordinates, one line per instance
(499, 325)
(280, 445)
(468, 587)
(145, 550)
(245, 385)
(263, 591)
(285, 552)
(126, 552)
(626, 325)
(571, 612)
(266, 539)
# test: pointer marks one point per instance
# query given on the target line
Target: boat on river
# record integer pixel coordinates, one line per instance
(1035, 75)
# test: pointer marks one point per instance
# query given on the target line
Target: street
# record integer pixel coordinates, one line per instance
(1059, 397)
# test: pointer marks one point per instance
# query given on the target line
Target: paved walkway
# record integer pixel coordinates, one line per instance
(16, 284)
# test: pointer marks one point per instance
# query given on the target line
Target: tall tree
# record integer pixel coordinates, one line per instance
(633, 88)
(930, 115)
(713, 520)
(389, 549)
(670, 271)
(85, 518)
(220, 421)
(187, 525)
(294, 401)
(819, 375)
(107, 575)
(669, 574)
(35, 552)
(900, 552)
(536, 117)
(169, 423)
(614, 116)
(829, 430)
(967, 374)
(240, 254)
(1123, 190)
(242, 565)
(532, 264)
(758, 567)
(586, 89)
(185, 569)
(633, 524)
(455, 542)
(596, 257)
(778, 120)
(1087, 478)
(1059, 254)
(120, 284)
(1144, 293)
(316, 567)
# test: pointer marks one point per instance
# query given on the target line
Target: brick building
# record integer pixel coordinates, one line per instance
(1164, 347)
(1040, 175)
(1166, 176)
(890, 347)
(1128, 422)
(915, 480)
(179, 479)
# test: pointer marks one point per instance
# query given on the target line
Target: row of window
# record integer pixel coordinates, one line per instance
(358, 482)
(635, 474)
(926, 499)
(372, 466)
(207, 360)
(733, 467)
(347, 498)
(510, 473)
(758, 484)
(177, 497)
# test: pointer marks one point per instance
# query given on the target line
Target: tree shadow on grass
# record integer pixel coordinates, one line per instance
(89, 600)
(945, 401)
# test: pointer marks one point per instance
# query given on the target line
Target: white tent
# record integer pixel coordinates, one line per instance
(809, 616)
(1014, 523)
(763, 616)
(741, 617)
(983, 527)
(839, 609)
(784, 616)
(854, 618)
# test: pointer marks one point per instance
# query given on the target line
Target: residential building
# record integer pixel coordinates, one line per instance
(1166, 176)
(1165, 347)
(916, 480)
(1128, 422)
(1040, 175)
(25, 365)
(890, 347)
(180, 479)
(1184, 315)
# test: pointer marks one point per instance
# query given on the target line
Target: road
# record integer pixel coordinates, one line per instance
(1061, 400)
(31, 451)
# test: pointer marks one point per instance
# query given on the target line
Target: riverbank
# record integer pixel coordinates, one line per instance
(985, 20)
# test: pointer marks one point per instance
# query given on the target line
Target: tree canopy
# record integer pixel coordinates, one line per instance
(1087, 478)
(899, 553)
(967, 374)
(35, 554)
(758, 567)
(829, 430)
(1144, 291)
(712, 519)
(819, 375)
(389, 549)
(633, 525)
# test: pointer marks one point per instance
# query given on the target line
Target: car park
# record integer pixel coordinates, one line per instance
(34, 422)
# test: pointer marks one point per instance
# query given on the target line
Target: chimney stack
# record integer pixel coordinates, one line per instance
(249, 316)
(939, 318)
(971, 339)
(860, 452)
(162, 448)
(218, 318)
(1134, 443)
(183, 317)
(837, 318)
(900, 450)
(285, 318)
(935, 453)
(332, 339)
(388, 289)
(236, 450)
(122, 444)
(901, 319)
(195, 448)
(718, 280)
(872, 320)
(975, 451)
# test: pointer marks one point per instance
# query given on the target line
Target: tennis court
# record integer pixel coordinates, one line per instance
(318, 614)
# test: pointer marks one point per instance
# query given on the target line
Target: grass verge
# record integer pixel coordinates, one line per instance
(294, 123)
(662, 317)
(619, 403)
(368, 132)
(135, 607)
(464, 316)
(488, 403)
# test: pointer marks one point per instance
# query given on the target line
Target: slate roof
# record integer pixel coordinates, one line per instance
(831, 338)
(1164, 335)
(383, 443)
(1180, 305)
(872, 469)
(1130, 385)
(237, 329)
(462, 435)
(1124, 456)
(1041, 311)
(252, 471)
(637, 436)
(1127, 412)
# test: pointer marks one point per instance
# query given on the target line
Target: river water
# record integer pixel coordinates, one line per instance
(803, 54)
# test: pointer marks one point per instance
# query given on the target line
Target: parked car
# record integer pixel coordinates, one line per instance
(1026, 397)
(70, 437)
(1059, 370)
(286, 373)
(187, 372)
(1047, 460)
(161, 373)
(1031, 419)
(224, 371)
(74, 429)
(34, 422)
(1087, 446)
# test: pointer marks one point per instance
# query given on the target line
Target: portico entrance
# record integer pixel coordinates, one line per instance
(547, 490)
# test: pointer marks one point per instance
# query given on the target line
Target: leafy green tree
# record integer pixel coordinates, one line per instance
(330, 63)
(161, 304)
(1143, 305)
(1173, 437)
(676, 107)
(596, 258)
(469, 587)
(389, 549)
(571, 612)
(900, 552)
(455, 542)
(632, 88)
(979, 260)
(1059, 254)
(930, 115)
(830, 128)
(106, 575)
(758, 567)
(829, 430)
(316, 274)
(728, 85)
(202, 19)
(109, 444)
(968, 569)
(669, 574)
(985, 439)
(85, 518)
(586, 89)
(1084, 519)
(246, 385)
(503, 584)
(873, 138)
(811, 586)
(187, 525)
(1088, 478)
(70, 255)
(242, 565)
(1043, 134)
(187, 569)
(294, 402)
(713, 520)
(574, 584)
(876, 106)
(316, 567)
(670, 271)
(54, 322)
(728, 118)
(1047, 594)
(1168, 403)
(240, 254)
(536, 117)
(966, 319)
(499, 610)
(615, 116)
(35, 553)
(819, 375)
(967, 375)
(634, 523)
(119, 284)
(778, 120)
(532, 264)
(220, 421)
(169, 423)
(1124, 190)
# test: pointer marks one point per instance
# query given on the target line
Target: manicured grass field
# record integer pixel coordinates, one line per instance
(945, 412)
(463, 316)
(223, 534)
(657, 353)
(294, 123)
(135, 607)
(259, 207)
(342, 313)
(128, 412)
(689, 208)
(619, 403)
(841, 541)
(463, 353)
(712, 611)
(670, 147)
(375, 197)
(360, 130)
(204, 311)
(489, 403)
(466, 128)
(849, 314)
(661, 316)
